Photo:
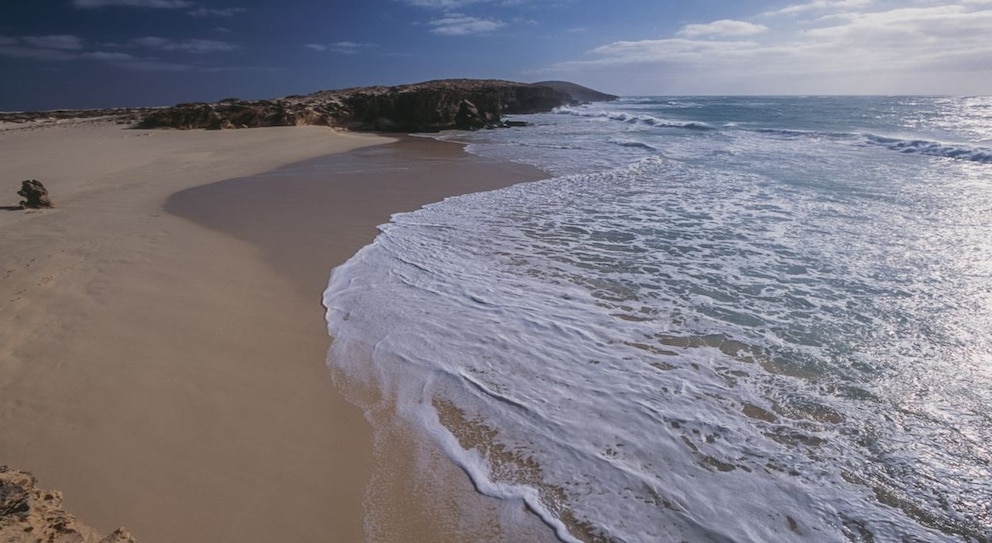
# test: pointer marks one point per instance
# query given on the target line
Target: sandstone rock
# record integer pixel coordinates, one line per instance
(423, 107)
(35, 195)
(30, 514)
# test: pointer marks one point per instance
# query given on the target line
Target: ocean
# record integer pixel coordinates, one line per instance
(719, 319)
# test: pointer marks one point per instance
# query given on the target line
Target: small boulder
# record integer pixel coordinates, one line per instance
(35, 195)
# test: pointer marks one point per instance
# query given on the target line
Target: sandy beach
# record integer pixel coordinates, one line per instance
(162, 343)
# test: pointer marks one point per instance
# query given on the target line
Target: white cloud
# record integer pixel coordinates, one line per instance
(724, 27)
(103, 55)
(190, 46)
(341, 47)
(820, 6)
(65, 48)
(19, 51)
(156, 4)
(60, 41)
(878, 47)
(224, 12)
(48, 48)
(349, 47)
(449, 5)
(45, 49)
(456, 24)
(443, 4)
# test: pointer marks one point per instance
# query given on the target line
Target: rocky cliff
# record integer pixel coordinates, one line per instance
(578, 92)
(28, 513)
(465, 104)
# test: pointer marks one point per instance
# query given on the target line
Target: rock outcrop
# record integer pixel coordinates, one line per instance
(578, 92)
(121, 115)
(465, 104)
(30, 514)
(35, 195)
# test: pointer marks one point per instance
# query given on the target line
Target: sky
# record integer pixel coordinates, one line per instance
(104, 53)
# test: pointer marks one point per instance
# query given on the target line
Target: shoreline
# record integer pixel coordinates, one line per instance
(162, 342)
(349, 195)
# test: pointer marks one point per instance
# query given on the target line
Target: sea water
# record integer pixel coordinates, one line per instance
(720, 319)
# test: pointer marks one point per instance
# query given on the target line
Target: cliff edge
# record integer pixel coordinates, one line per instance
(578, 92)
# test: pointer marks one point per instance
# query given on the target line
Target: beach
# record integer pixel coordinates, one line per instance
(162, 342)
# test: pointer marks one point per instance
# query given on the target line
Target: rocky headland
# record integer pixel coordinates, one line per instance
(28, 513)
(578, 92)
(432, 106)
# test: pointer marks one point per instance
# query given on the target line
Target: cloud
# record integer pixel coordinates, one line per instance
(851, 46)
(113, 56)
(341, 47)
(65, 48)
(449, 5)
(224, 12)
(456, 24)
(47, 48)
(20, 51)
(190, 46)
(724, 27)
(820, 6)
(443, 4)
(155, 4)
(349, 47)
(68, 48)
(60, 41)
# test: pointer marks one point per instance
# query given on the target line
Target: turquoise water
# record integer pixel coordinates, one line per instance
(720, 319)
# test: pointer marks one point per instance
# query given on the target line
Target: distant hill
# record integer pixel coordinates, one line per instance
(578, 92)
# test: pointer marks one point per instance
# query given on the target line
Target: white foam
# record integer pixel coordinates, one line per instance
(520, 308)
(759, 307)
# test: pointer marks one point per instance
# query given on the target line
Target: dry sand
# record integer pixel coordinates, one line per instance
(153, 370)
(167, 372)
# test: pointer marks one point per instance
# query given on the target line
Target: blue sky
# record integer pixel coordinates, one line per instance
(98, 53)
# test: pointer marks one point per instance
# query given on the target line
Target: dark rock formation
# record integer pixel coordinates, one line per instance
(466, 104)
(30, 514)
(118, 115)
(578, 92)
(35, 195)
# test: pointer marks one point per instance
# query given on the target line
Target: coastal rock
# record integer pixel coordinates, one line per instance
(35, 195)
(31, 514)
(578, 92)
(466, 104)
(468, 117)
(422, 107)
(118, 115)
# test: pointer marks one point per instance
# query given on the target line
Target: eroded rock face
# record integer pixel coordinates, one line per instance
(35, 195)
(466, 104)
(578, 92)
(30, 514)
